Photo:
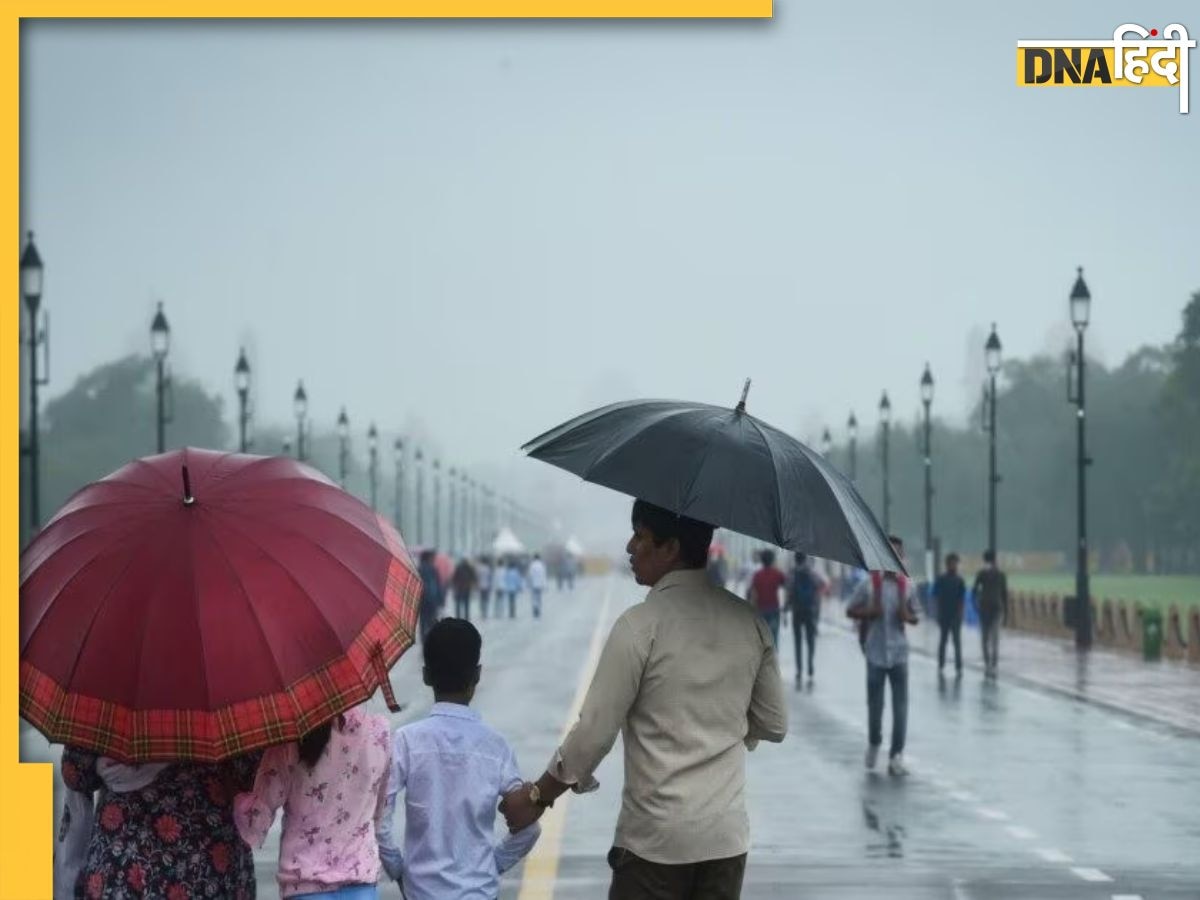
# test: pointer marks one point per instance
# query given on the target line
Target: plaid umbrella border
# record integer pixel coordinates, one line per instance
(136, 736)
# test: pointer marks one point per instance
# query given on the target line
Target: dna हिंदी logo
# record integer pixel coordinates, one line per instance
(1144, 60)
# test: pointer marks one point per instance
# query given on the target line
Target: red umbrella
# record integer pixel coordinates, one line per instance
(197, 605)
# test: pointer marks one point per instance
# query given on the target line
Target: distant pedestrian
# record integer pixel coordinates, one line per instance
(991, 599)
(804, 601)
(513, 581)
(432, 597)
(718, 570)
(485, 574)
(537, 583)
(462, 582)
(764, 592)
(887, 603)
(949, 594)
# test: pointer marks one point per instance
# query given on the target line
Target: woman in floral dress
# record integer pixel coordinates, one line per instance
(157, 830)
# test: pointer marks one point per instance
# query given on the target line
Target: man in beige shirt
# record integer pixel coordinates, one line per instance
(690, 679)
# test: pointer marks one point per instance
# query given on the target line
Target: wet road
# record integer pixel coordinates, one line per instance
(1014, 792)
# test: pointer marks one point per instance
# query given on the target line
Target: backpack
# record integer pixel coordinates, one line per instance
(877, 597)
(804, 592)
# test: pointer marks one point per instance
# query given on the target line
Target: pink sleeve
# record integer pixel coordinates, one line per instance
(254, 812)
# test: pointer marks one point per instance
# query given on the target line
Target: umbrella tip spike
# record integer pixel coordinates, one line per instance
(741, 407)
(188, 499)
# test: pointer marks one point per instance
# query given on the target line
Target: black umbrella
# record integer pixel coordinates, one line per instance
(725, 467)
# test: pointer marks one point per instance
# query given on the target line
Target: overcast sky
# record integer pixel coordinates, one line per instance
(479, 230)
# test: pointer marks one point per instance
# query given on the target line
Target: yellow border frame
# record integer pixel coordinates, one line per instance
(25, 790)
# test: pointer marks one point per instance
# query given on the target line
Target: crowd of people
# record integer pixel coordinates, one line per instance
(180, 830)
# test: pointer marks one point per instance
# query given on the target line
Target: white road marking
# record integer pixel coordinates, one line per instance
(964, 796)
(1021, 833)
(1126, 897)
(1054, 856)
(1090, 874)
(995, 815)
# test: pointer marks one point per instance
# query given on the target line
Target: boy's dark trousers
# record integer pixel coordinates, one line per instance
(807, 623)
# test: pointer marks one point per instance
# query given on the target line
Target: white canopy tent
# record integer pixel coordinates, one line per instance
(507, 542)
(573, 547)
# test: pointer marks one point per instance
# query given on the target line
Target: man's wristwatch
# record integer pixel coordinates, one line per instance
(535, 797)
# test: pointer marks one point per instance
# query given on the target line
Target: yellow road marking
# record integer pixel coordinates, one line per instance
(541, 867)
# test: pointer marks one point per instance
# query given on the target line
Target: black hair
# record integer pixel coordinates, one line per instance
(428, 556)
(800, 558)
(989, 556)
(951, 558)
(767, 557)
(452, 655)
(694, 536)
(313, 744)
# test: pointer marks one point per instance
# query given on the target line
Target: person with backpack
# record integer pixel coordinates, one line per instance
(991, 599)
(804, 602)
(887, 603)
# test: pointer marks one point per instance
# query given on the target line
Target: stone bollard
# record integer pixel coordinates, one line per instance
(1174, 641)
(1106, 631)
(1193, 644)
(1128, 638)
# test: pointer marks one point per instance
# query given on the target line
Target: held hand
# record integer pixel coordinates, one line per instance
(518, 810)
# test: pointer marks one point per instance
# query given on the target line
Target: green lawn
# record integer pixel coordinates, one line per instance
(1157, 590)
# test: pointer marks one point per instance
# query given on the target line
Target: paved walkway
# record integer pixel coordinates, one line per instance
(1165, 692)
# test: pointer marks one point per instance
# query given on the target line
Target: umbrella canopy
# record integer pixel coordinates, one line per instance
(573, 546)
(507, 542)
(197, 605)
(725, 467)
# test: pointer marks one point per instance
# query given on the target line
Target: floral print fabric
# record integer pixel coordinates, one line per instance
(330, 813)
(173, 839)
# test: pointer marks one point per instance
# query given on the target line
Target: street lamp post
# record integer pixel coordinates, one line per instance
(826, 443)
(1081, 301)
(373, 464)
(852, 430)
(452, 510)
(300, 405)
(398, 449)
(926, 402)
(885, 420)
(992, 358)
(464, 499)
(160, 344)
(31, 291)
(343, 429)
(241, 381)
(437, 503)
(420, 497)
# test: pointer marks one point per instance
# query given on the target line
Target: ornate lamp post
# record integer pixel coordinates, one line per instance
(926, 402)
(852, 430)
(160, 345)
(885, 420)
(452, 510)
(343, 430)
(373, 464)
(437, 503)
(992, 351)
(300, 407)
(420, 498)
(31, 291)
(1081, 302)
(398, 450)
(826, 443)
(241, 381)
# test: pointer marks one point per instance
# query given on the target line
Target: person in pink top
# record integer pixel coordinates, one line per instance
(332, 786)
